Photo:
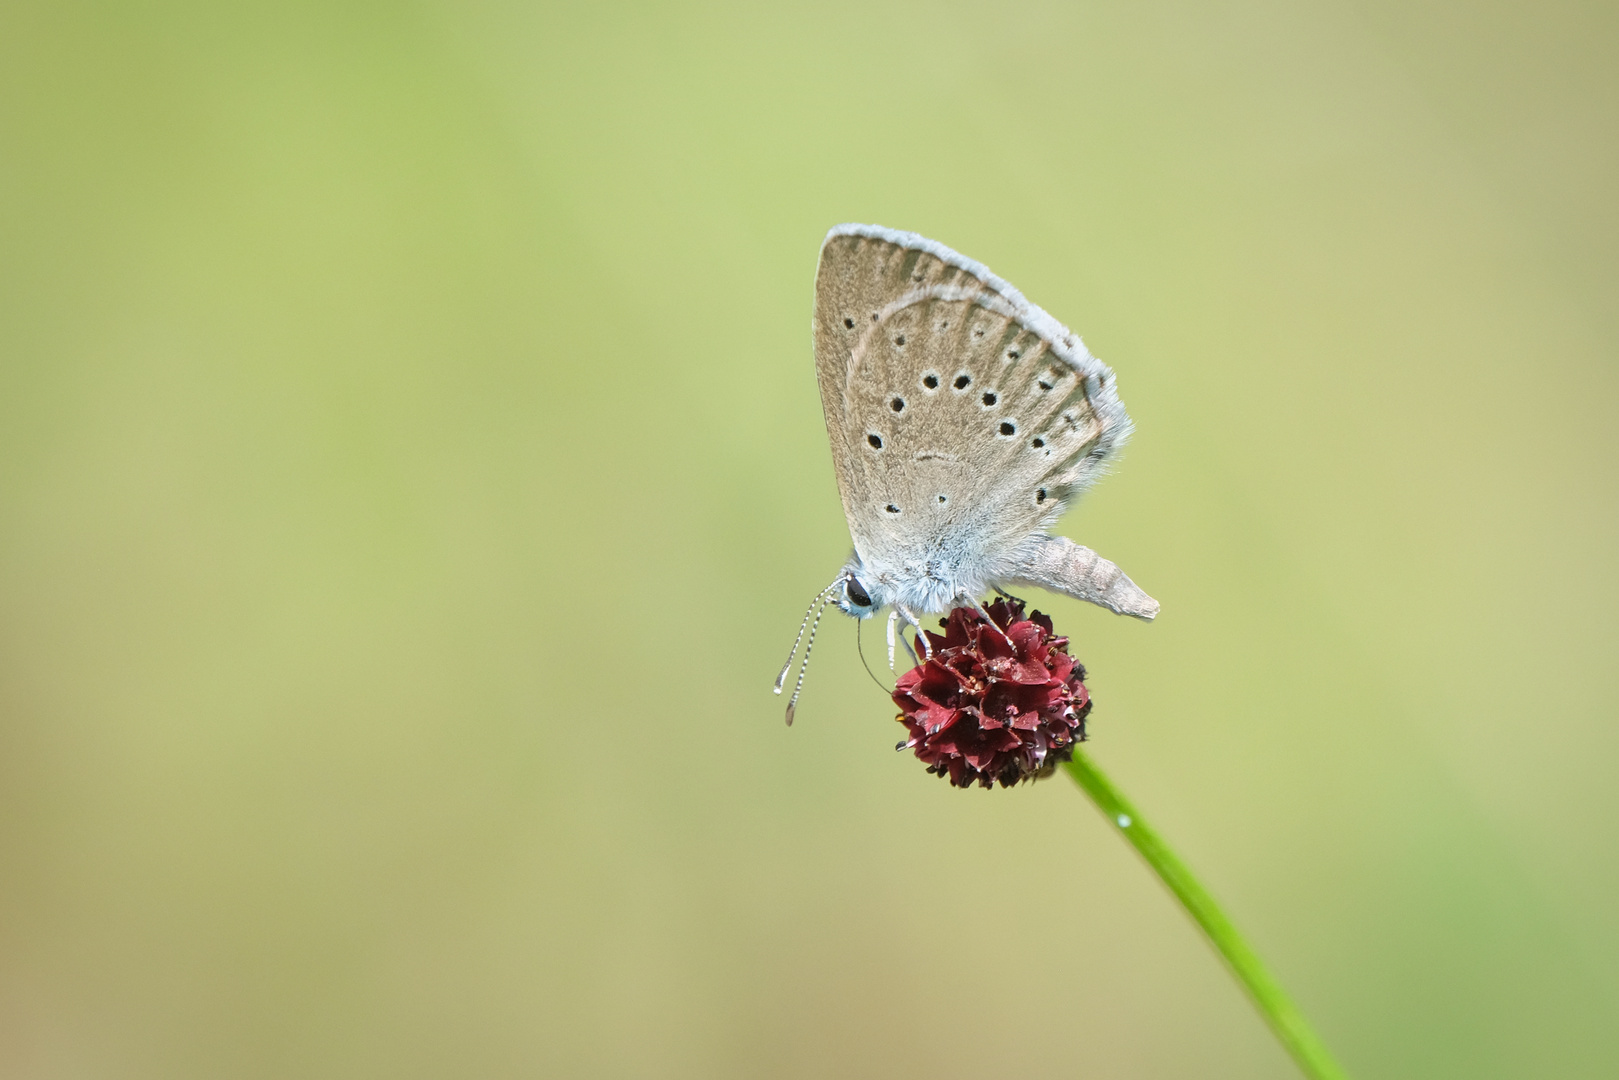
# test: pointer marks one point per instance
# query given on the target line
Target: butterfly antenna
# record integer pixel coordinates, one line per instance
(781, 680)
(798, 687)
(859, 648)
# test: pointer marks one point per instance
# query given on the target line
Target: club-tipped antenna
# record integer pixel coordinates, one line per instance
(781, 680)
(798, 687)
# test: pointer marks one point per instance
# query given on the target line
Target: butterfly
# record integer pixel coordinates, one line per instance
(963, 421)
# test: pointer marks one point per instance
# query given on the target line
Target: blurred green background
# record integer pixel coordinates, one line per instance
(412, 474)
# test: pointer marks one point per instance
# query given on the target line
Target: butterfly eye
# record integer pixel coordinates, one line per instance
(856, 593)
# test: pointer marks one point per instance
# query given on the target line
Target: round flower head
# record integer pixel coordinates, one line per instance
(994, 703)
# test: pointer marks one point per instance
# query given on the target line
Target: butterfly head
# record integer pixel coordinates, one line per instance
(858, 593)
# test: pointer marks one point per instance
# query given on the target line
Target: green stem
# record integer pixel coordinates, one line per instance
(1273, 1003)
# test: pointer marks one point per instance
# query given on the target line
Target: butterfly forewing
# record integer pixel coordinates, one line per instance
(955, 408)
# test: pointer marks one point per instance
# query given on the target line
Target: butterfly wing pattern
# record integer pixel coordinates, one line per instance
(963, 421)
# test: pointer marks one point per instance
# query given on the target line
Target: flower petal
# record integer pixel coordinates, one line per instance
(999, 701)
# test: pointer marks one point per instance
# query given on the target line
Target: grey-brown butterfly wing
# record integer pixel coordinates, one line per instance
(858, 278)
(961, 416)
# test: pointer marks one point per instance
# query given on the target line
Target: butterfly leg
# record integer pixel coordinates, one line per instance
(910, 649)
(910, 617)
(972, 602)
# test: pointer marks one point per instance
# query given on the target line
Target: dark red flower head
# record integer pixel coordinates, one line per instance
(995, 703)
